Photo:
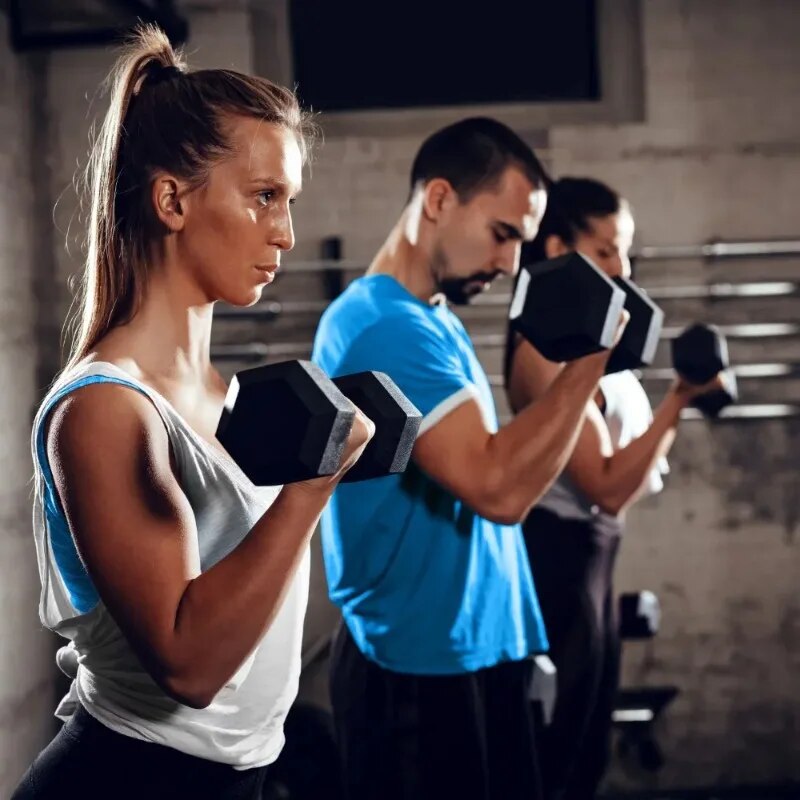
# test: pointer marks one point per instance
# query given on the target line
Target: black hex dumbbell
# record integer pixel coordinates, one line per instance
(289, 422)
(543, 687)
(698, 354)
(396, 419)
(637, 346)
(566, 307)
(639, 615)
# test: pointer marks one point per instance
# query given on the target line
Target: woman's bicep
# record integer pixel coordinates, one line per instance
(132, 524)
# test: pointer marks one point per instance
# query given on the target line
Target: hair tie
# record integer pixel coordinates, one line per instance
(159, 73)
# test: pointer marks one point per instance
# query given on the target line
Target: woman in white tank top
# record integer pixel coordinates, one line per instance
(180, 585)
(573, 533)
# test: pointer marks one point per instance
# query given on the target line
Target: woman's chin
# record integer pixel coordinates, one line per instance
(243, 298)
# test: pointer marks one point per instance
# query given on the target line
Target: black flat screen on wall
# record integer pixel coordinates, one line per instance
(352, 55)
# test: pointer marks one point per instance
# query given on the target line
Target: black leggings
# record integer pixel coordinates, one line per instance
(433, 737)
(89, 761)
(572, 563)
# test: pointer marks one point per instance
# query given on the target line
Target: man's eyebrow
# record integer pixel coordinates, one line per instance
(509, 230)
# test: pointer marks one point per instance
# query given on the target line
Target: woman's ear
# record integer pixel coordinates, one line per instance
(166, 201)
(554, 246)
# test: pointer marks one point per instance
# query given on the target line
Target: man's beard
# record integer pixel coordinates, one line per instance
(458, 291)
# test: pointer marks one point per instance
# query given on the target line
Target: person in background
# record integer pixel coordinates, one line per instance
(573, 533)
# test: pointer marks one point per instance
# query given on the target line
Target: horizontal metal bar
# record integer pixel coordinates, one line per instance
(256, 351)
(622, 715)
(263, 310)
(323, 265)
(304, 306)
(750, 411)
(725, 291)
(754, 330)
(712, 291)
(742, 371)
(745, 249)
(271, 309)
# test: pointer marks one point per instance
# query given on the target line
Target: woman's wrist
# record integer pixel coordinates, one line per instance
(316, 491)
(677, 398)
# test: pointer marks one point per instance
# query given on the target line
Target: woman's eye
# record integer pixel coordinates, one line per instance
(292, 201)
(499, 237)
(265, 196)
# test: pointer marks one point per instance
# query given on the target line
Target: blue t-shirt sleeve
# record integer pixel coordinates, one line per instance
(420, 357)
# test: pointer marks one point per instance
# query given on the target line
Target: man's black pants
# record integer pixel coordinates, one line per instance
(433, 737)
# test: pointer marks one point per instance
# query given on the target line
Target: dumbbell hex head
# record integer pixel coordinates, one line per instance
(285, 422)
(543, 686)
(639, 615)
(396, 419)
(712, 403)
(637, 346)
(699, 353)
(566, 307)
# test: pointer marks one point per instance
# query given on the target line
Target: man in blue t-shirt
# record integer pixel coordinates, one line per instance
(430, 672)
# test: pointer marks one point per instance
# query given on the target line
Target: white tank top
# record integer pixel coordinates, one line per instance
(628, 415)
(243, 726)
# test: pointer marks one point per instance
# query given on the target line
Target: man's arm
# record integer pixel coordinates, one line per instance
(502, 475)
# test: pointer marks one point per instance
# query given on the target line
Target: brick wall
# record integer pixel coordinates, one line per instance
(26, 663)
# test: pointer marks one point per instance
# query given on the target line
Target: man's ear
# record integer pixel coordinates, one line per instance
(438, 198)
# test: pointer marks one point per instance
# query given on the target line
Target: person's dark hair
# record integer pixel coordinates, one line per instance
(160, 117)
(472, 156)
(570, 204)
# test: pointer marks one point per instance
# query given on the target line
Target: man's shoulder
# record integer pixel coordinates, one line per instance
(388, 317)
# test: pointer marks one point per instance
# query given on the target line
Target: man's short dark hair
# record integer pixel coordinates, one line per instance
(472, 155)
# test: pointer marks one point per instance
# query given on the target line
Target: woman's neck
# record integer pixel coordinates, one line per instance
(169, 336)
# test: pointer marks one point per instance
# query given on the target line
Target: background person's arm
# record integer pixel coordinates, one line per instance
(611, 479)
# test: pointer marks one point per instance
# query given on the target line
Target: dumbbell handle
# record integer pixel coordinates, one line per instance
(699, 354)
(711, 403)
